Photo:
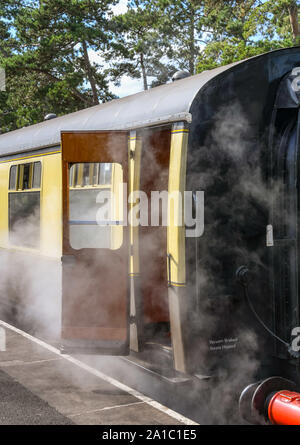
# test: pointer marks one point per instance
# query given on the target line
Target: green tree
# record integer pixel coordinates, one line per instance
(244, 28)
(6, 48)
(49, 68)
(139, 49)
(184, 26)
(285, 19)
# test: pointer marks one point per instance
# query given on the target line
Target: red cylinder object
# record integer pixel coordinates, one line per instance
(284, 408)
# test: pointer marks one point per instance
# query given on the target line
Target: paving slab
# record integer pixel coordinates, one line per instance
(38, 386)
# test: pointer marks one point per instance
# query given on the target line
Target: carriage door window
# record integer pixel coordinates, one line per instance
(24, 204)
(95, 205)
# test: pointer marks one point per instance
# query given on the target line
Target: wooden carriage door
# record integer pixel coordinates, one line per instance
(95, 305)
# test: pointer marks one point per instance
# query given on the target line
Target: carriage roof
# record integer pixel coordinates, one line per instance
(167, 103)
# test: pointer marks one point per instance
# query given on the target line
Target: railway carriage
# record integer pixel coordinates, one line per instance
(110, 287)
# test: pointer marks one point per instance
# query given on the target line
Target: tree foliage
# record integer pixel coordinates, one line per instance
(139, 49)
(47, 47)
(185, 26)
(48, 68)
(245, 28)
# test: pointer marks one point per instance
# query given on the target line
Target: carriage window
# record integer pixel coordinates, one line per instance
(96, 169)
(105, 174)
(72, 176)
(27, 168)
(13, 178)
(96, 205)
(37, 170)
(24, 219)
(86, 175)
(90, 174)
(25, 176)
(24, 204)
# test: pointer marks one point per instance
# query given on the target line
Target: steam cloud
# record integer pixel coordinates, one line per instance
(229, 171)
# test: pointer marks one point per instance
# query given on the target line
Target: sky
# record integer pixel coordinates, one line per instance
(128, 86)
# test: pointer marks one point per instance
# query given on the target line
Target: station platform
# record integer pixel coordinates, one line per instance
(40, 386)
